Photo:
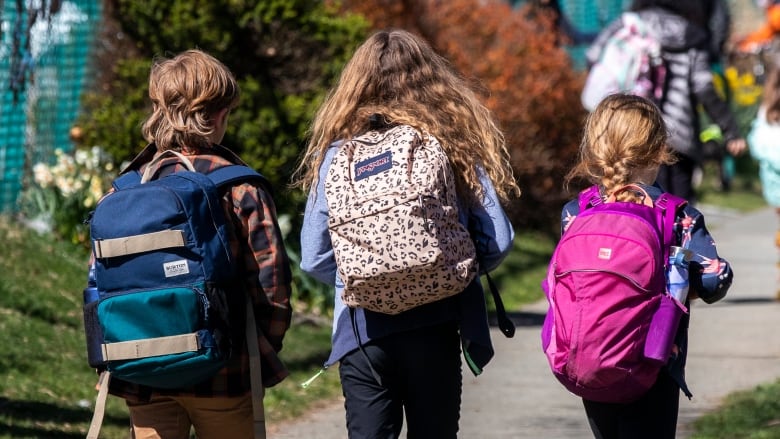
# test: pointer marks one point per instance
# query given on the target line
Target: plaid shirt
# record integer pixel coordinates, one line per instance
(267, 278)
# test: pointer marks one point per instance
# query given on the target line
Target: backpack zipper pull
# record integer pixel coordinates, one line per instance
(308, 382)
(424, 213)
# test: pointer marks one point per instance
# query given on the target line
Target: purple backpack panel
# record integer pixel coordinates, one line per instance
(605, 283)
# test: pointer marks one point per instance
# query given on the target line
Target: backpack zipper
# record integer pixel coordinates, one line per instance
(424, 214)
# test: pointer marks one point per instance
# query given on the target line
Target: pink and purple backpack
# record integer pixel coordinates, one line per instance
(610, 323)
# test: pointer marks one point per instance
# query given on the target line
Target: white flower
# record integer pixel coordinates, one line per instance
(65, 186)
(42, 175)
(285, 224)
(82, 157)
(75, 181)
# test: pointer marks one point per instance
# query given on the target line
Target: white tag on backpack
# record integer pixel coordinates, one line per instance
(176, 268)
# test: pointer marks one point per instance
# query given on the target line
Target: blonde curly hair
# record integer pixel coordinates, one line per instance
(399, 77)
(624, 136)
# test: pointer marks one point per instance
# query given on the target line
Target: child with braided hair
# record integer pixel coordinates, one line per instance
(625, 143)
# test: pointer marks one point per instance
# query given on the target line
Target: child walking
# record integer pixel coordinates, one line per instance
(764, 141)
(625, 142)
(192, 95)
(409, 363)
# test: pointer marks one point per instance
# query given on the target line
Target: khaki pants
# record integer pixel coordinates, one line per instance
(213, 418)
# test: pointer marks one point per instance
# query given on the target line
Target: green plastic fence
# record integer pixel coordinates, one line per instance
(586, 17)
(43, 69)
(590, 16)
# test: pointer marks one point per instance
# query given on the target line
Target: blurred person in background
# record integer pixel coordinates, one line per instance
(685, 33)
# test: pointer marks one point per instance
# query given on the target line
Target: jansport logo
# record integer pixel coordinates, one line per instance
(605, 253)
(176, 268)
(374, 165)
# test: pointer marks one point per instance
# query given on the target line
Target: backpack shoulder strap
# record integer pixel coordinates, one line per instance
(224, 177)
(126, 180)
(232, 174)
(669, 205)
(590, 197)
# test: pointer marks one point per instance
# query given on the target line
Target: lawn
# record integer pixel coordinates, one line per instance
(753, 414)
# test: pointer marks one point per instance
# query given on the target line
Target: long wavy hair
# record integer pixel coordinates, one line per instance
(398, 76)
(623, 136)
(187, 91)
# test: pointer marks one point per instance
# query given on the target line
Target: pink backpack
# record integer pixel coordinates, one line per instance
(610, 324)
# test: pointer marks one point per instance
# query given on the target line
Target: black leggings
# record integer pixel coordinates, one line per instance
(421, 376)
(654, 416)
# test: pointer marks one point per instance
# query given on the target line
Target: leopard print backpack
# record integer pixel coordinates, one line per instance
(393, 222)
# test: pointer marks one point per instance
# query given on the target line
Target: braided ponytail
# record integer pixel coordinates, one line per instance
(623, 137)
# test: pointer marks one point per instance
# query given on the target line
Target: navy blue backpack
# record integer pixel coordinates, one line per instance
(165, 306)
(158, 312)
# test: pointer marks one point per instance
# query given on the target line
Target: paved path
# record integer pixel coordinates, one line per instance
(734, 345)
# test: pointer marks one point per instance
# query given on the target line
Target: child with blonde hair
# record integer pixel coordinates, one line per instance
(395, 78)
(625, 143)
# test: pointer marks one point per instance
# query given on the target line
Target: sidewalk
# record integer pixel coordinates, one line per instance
(734, 345)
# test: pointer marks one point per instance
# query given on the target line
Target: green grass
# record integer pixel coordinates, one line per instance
(520, 275)
(44, 379)
(744, 194)
(753, 414)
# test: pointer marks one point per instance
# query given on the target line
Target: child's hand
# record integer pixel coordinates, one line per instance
(736, 147)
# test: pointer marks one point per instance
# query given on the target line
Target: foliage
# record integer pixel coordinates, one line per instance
(527, 79)
(62, 195)
(312, 297)
(284, 53)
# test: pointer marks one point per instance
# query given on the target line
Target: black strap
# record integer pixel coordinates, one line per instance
(505, 324)
(360, 346)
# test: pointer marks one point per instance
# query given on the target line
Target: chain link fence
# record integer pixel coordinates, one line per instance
(45, 52)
